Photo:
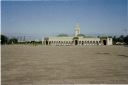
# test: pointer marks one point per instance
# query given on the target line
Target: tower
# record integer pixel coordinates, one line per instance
(77, 29)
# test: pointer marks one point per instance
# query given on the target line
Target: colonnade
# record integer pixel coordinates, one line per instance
(74, 42)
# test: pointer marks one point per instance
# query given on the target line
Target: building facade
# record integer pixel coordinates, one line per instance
(76, 40)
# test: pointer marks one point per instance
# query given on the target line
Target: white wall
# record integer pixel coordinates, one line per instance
(89, 39)
(109, 41)
(60, 38)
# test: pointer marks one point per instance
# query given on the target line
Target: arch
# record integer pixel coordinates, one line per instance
(76, 42)
(104, 42)
(82, 42)
(97, 43)
(79, 42)
(46, 42)
(91, 42)
(49, 42)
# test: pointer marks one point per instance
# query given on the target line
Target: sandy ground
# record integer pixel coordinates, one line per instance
(38, 65)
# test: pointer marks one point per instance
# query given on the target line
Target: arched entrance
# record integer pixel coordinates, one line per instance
(76, 42)
(75, 39)
(46, 42)
(104, 42)
(82, 42)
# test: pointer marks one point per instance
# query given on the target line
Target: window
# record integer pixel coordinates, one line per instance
(82, 42)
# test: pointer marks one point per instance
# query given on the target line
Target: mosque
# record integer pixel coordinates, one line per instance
(76, 40)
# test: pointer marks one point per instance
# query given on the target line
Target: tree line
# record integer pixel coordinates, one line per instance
(14, 40)
(120, 40)
(6, 40)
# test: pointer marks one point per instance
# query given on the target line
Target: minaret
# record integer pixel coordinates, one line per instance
(77, 29)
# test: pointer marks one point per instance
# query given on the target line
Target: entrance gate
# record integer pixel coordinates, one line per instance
(75, 39)
(76, 42)
(104, 42)
(46, 42)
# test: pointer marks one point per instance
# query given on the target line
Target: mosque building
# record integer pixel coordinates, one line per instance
(76, 40)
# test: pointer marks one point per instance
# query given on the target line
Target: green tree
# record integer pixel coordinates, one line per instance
(126, 39)
(114, 40)
(4, 39)
(13, 41)
(121, 38)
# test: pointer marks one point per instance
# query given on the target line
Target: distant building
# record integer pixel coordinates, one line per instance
(76, 40)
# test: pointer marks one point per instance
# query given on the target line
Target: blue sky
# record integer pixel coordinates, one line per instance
(51, 17)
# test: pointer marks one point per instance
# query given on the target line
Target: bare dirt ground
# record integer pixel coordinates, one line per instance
(38, 65)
